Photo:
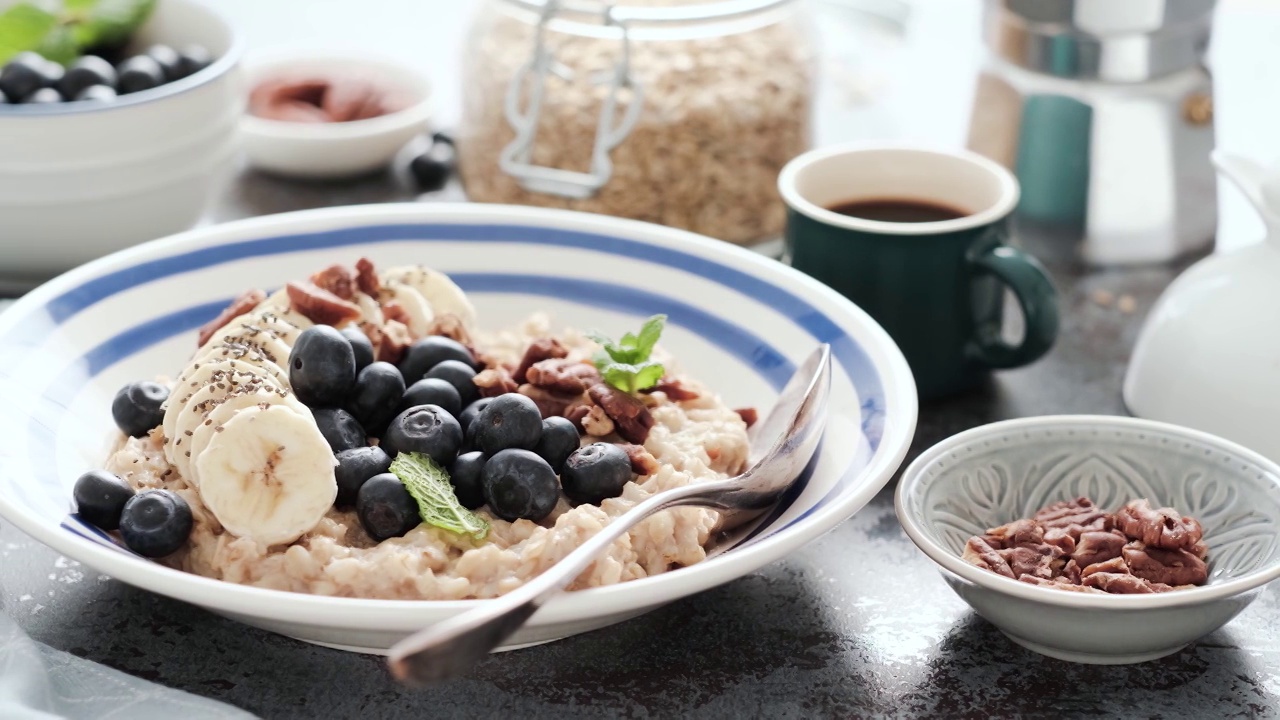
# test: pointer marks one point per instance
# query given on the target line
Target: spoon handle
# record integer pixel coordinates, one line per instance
(451, 647)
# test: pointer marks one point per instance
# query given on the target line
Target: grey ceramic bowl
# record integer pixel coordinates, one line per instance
(997, 473)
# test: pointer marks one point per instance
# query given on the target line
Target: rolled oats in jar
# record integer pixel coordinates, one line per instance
(678, 112)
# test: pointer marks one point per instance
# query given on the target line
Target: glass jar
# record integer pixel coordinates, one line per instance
(676, 112)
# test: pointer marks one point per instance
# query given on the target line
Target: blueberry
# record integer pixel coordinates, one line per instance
(100, 498)
(155, 523)
(458, 374)
(376, 397)
(43, 96)
(471, 412)
(191, 60)
(559, 440)
(466, 474)
(510, 421)
(85, 73)
(139, 73)
(425, 429)
(340, 429)
(322, 367)
(167, 58)
(355, 467)
(386, 508)
(432, 168)
(24, 74)
(595, 472)
(519, 484)
(433, 391)
(98, 93)
(429, 352)
(136, 407)
(360, 345)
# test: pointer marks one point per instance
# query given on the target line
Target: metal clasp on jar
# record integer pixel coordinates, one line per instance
(524, 113)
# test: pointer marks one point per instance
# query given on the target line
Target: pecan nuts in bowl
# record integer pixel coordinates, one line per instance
(1097, 539)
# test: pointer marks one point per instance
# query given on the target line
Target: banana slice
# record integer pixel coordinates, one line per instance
(222, 384)
(415, 306)
(277, 322)
(440, 292)
(277, 301)
(266, 340)
(195, 377)
(247, 354)
(370, 310)
(222, 413)
(268, 475)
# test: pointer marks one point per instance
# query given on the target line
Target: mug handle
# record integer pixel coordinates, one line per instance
(1028, 280)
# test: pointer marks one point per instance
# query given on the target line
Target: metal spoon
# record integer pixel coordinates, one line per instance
(791, 430)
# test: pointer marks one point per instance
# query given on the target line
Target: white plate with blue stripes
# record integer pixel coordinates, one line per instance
(738, 321)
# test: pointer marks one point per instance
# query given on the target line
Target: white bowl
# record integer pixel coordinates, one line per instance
(736, 318)
(79, 180)
(334, 150)
(998, 473)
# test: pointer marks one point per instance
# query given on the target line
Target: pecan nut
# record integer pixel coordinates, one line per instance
(562, 376)
(642, 462)
(245, 302)
(494, 382)
(977, 551)
(749, 415)
(674, 389)
(550, 404)
(1097, 546)
(367, 277)
(395, 340)
(338, 280)
(630, 417)
(1169, 567)
(319, 305)
(1159, 528)
(538, 350)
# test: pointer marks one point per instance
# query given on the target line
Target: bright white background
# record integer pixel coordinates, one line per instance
(918, 89)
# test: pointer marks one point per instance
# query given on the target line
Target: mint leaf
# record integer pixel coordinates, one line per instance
(23, 27)
(649, 334)
(429, 485)
(59, 45)
(625, 364)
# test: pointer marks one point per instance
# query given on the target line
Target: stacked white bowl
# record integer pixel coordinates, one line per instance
(80, 180)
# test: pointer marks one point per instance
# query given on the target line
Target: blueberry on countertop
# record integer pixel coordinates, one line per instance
(376, 397)
(458, 374)
(360, 345)
(155, 523)
(432, 168)
(433, 391)
(322, 367)
(139, 73)
(43, 96)
(471, 412)
(385, 507)
(191, 60)
(595, 472)
(25, 73)
(425, 429)
(519, 484)
(136, 407)
(100, 498)
(430, 351)
(466, 475)
(559, 440)
(510, 421)
(84, 73)
(355, 467)
(167, 58)
(99, 93)
(340, 429)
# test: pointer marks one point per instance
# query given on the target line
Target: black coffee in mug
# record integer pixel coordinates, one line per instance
(898, 210)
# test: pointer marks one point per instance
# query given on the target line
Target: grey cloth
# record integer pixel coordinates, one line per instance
(40, 683)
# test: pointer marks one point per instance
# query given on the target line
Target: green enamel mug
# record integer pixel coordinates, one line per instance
(937, 287)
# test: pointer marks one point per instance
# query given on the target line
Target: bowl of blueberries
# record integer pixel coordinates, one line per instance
(116, 126)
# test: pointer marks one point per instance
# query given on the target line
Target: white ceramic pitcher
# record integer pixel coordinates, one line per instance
(1209, 355)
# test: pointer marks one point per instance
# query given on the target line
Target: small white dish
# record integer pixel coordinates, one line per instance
(735, 318)
(1208, 356)
(83, 179)
(339, 149)
(998, 473)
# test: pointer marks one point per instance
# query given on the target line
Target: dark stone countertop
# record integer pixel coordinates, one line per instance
(857, 624)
